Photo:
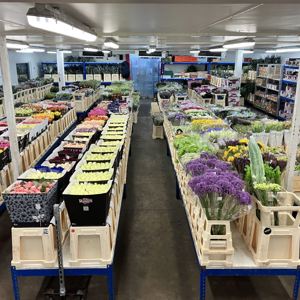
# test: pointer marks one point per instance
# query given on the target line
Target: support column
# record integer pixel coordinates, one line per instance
(60, 69)
(9, 108)
(292, 146)
(238, 70)
(238, 67)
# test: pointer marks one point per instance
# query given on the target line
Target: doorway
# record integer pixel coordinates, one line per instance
(145, 72)
(23, 72)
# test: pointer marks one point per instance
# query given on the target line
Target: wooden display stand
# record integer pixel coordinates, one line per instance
(135, 116)
(115, 77)
(220, 99)
(158, 132)
(107, 78)
(91, 245)
(36, 246)
(275, 232)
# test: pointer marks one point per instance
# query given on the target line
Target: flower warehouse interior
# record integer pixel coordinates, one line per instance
(149, 150)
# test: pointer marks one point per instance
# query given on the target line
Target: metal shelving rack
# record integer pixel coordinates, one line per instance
(271, 76)
(208, 67)
(285, 83)
(84, 67)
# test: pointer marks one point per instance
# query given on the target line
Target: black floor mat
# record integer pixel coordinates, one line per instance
(76, 288)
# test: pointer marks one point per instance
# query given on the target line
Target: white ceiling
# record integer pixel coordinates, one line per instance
(173, 25)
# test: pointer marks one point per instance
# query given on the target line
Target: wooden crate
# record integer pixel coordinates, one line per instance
(107, 78)
(157, 132)
(115, 77)
(98, 77)
(214, 249)
(89, 76)
(244, 225)
(135, 116)
(296, 184)
(79, 77)
(34, 247)
(272, 243)
(154, 108)
(91, 246)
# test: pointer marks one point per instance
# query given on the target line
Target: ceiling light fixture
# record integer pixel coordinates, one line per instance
(238, 44)
(52, 19)
(283, 50)
(31, 50)
(51, 52)
(271, 51)
(217, 49)
(66, 51)
(106, 51)
(194, 51)
(151, 49)
(248, 51)
(111, 43)
(11, 44)
(90, 49)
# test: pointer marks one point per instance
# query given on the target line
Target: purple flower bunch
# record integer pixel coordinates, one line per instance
(180, 116)
(185, 105)
(220, 190)
(206, 163)
(226, 185)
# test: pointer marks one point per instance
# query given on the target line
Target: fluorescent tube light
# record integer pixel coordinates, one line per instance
(66, 51)
(248, 51)
(106, 51)
(51, 52)
(271, 51)
(111, 43)
(11, 44)
(283, 50)
(151, 49)
(51, 19)
(31, 50)
(237, 44)
(88, 49)
(194, 51)
(217, 50)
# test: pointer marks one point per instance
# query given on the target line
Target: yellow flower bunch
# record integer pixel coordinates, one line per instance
(208, 122)
(45, 115)
(233, 152)
(244, 141)
(203, 124)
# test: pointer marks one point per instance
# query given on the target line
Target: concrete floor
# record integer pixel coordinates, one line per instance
(154, 258)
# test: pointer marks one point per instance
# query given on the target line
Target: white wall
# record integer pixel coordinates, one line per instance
(33, 59)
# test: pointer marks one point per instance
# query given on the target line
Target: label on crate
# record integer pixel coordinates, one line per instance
(45, 231)
(86, 201)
